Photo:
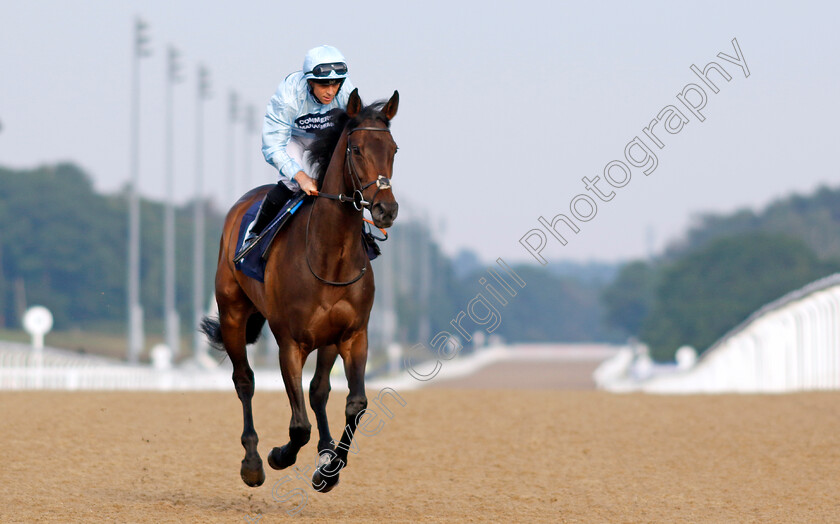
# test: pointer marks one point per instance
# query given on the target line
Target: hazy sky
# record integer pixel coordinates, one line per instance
(503, 108)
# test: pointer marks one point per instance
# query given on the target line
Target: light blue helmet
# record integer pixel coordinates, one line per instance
(324, 63)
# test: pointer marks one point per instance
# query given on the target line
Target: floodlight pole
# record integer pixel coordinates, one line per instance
(135, 309)
(233, 116)
(248, 120)
(171, 321)
(202, 94)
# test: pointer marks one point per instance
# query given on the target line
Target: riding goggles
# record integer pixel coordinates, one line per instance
(322, 70)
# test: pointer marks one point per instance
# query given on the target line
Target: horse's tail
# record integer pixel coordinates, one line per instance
(253, 328)
(211, 327)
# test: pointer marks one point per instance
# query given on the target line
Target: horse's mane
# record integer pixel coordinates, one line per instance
(320, 151)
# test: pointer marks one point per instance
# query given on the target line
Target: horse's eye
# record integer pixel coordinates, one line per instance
(396, 150)
(356, 149)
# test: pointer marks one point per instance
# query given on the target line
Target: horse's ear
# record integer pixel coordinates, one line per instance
(390, 109)
(354, 103)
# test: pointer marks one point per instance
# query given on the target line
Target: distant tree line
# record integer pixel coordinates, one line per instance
(725, 268)
(64, 246)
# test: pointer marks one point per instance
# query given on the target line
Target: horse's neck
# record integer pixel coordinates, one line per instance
(337, 225)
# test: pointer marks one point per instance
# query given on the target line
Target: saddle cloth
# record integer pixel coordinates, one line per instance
(253, 265)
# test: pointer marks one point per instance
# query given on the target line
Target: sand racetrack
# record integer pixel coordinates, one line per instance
(446, 456)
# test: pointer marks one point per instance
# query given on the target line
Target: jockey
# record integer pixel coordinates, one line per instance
(304, 104)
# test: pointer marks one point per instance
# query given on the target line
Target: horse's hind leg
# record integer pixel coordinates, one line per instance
(319, 392)
(233, 335)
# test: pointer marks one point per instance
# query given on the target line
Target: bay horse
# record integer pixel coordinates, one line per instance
(318, 288)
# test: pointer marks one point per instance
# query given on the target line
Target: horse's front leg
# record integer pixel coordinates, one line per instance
(319, 393)
(291, 365)
(354, 353)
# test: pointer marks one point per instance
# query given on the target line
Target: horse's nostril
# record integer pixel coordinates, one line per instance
(386, 209)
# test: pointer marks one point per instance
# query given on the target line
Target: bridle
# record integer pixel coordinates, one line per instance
(358, 200)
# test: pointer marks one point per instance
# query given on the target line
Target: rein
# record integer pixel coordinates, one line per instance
(358, 201)
(309, 264)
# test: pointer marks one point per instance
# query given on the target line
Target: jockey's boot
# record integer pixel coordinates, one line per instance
(271, 204)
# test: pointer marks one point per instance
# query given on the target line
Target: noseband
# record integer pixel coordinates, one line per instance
(358, 201)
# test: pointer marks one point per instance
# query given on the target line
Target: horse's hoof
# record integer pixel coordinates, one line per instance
(323, 483)
(252, 471)
(281, 458)
(325, 477)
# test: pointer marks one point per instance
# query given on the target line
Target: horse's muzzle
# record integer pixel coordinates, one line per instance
(384, 213)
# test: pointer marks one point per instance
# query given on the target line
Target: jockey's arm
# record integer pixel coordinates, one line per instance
(306, 183)
(276, 134)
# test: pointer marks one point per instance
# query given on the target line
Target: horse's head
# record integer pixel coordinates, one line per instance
(370, 155)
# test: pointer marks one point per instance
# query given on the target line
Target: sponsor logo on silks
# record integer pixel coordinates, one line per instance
(315, 122)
